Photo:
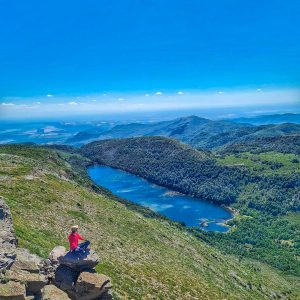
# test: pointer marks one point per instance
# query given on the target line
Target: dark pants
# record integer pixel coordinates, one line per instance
(81, 249)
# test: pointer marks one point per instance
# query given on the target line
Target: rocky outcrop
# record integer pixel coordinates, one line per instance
(20, 270)
(7, 234)
(76, 275)
(8, 239)
(63, 275)
(80, 263)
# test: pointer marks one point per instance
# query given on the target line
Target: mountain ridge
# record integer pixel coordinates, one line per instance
(197, 132)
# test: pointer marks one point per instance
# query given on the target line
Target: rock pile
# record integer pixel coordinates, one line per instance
(75, 274)
(63, 275)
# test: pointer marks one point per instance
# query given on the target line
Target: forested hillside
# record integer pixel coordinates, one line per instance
(284, 144)
(263, 187)
(146, 257)
(170, 163)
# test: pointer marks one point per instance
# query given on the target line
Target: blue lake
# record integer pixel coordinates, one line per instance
(178, 207)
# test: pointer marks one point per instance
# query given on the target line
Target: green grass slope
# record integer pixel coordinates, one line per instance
(147, 258)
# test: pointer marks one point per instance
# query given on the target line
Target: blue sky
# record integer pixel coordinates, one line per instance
(126, 48)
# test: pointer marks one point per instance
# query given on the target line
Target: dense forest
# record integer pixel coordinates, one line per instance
(285, 144)
(170, 163)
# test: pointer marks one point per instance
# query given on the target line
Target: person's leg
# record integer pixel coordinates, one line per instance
(83, 246)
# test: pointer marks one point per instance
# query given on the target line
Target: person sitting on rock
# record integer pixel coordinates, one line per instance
(74, 237)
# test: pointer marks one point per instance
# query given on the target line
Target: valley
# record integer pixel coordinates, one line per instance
(166, 196)
(143, 253)
(263, 187)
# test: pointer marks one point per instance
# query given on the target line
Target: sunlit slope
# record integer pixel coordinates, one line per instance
(146, 257)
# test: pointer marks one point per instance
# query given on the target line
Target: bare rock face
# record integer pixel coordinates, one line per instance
(12, 291)
(51, 292)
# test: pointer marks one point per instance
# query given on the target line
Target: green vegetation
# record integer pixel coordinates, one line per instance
(147, 258)
(264, 187)
(170, 163)
(275, 241)
(268, 163)
(282, 143)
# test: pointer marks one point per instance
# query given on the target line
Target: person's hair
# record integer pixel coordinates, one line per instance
(74, 230)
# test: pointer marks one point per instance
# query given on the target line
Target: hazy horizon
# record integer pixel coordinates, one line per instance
(95, 59)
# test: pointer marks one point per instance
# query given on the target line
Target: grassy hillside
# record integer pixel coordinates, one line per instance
(147, 258)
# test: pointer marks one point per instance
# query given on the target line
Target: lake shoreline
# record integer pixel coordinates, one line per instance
(178, 207)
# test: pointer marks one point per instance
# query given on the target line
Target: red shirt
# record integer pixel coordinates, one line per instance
(73, 240)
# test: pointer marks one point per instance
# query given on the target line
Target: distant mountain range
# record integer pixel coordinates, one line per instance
(270, 119)
(195, 131)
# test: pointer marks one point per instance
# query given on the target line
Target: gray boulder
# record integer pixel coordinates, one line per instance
(90, 286)
(56, 253)
(80, 262)
(34, 282)
(51, 292)
(12, 291)
(26, 261)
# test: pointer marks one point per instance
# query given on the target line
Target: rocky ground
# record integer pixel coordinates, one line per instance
(62, 276)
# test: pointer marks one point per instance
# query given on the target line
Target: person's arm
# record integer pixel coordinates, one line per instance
(81, 237)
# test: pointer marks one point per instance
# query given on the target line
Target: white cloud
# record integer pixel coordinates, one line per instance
(49, 95)
(65, 106)
(158, 93)
(180, 93)
(94, 100)
(8, 104)
(220, 93)
(147, 95)
(121, 99)
(258, 90)
(38, 102)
